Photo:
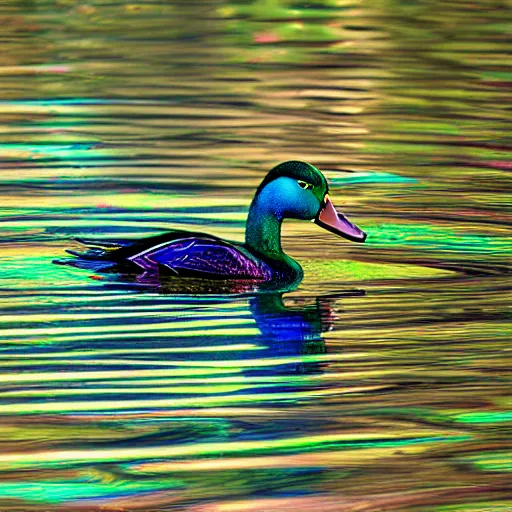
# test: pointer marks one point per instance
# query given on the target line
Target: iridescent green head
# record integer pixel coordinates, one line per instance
(298, 190)
(293, 190)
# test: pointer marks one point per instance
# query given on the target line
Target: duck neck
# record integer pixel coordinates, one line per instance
(263, 231)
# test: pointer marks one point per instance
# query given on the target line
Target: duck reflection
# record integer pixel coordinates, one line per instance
(172, 345)
(292, 330)
(265, 333)
(295, 330)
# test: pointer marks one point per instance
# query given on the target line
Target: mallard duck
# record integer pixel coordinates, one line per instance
(291, 190)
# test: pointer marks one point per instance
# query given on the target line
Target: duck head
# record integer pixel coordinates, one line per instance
(297, 190)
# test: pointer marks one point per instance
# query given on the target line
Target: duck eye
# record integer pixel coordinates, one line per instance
(304, 184)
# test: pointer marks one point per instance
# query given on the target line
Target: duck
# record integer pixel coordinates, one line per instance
(291, 190)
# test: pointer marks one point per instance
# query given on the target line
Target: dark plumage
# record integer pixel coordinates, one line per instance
(290, 190)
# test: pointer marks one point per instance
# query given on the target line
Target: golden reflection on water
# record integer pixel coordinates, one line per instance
(382, 382)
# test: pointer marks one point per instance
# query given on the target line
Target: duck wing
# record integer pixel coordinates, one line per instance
(198, 256)
(177, 253)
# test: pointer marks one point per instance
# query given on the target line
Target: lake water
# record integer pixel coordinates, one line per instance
(383, 382)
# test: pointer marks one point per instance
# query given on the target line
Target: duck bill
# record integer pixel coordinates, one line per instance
(337, 223)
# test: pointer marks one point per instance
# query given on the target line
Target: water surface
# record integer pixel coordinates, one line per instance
(382, 382)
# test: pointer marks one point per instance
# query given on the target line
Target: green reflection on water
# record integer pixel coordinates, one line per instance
(485, 417)
(63, 491)
(369, 177)
(500, 461)
(429, 238)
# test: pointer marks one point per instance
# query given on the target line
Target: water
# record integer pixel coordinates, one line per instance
(382, 382)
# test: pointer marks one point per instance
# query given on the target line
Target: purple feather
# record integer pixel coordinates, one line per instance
(193, 254)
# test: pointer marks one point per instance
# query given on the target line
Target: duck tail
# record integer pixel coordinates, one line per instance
(100, 244)
(96, 256)
(97, 250)
(91, 254)
(86, 264)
